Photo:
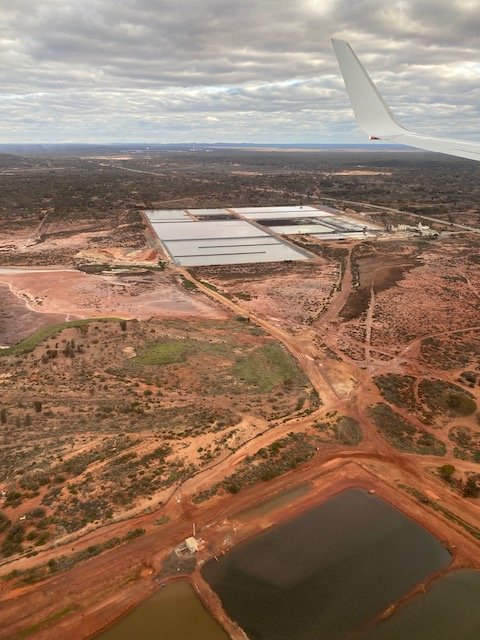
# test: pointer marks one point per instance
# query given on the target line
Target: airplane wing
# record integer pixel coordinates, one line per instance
(375, 118)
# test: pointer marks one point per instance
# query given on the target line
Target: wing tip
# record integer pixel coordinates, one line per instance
(371, 111)
(338, 43)
(374, 116)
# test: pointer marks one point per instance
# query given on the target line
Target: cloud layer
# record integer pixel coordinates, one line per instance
(215, 70)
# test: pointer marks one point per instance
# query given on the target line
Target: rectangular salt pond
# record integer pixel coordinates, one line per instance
(172, 613)
(302, 229)
(263, 252)
(352, 225)
(299, 209)
(167, 215)
(194, 230)
(195, 243)
(209, 212)
(274, 215)
(327, 573)
(341, 235)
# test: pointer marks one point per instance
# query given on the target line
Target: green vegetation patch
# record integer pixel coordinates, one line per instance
(268, 463)
(403, 435)
(46, 622)
(470, 488)
(63, 563)
(445, 397)
(467, 443)
(267, 367)
(446, 472)
(77, 464)
(28, 344)
(165, 352)
(450, 352)
(397, 389)
(345, 430)
(174, 351)
(188, 284)
(12, 543)
(4, 522)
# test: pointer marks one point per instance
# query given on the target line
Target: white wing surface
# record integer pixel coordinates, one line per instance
(376, 119)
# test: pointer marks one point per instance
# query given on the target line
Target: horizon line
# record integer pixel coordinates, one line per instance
(195, 145)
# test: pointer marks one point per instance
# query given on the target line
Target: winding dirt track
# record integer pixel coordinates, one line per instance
(336, 305)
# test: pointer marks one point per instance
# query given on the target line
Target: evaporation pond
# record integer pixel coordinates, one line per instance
(172, 613)
(447, 611)
(274, 503)
(326, 573)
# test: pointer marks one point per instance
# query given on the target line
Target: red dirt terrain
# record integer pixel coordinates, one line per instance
(385, 396)
(40, 297)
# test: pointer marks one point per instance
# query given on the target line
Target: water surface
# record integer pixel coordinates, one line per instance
(276, 502)
(173, 613)
(448, 611)
(326, 573)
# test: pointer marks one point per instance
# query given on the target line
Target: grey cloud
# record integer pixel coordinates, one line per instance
(139, 69)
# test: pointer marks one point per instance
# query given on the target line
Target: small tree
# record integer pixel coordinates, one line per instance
(446, 472)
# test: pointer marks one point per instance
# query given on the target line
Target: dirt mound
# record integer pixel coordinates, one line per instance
(119, 256)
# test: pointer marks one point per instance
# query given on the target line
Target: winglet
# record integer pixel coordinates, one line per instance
(371, 111)
(376, 119)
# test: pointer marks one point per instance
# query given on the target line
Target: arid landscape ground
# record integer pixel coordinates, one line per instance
(138, 398)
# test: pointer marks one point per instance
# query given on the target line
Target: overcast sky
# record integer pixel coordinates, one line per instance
(230, 70)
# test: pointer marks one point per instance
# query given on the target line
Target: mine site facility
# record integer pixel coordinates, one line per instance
(198, 237)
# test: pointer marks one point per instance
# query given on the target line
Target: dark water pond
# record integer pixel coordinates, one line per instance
(173, 613)
(448, 611)
(326, 573)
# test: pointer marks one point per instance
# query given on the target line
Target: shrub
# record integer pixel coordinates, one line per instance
(403, 435)
(446, 471)
(444, 397)
(4, 522)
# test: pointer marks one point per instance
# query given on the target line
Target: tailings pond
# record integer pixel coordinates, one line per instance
(448, 611)
(274, 503)
(326, 573)
(172, 613)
